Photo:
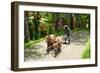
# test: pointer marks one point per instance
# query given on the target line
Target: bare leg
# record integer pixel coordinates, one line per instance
(68, 40)
(65, 39)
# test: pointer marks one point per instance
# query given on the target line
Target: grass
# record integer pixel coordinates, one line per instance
(86, 51)
(30, 44)
(59, 33)
(81, 30)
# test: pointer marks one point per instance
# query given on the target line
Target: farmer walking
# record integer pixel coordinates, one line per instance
(67, 32)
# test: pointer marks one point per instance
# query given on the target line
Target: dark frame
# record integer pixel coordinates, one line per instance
(15, 33)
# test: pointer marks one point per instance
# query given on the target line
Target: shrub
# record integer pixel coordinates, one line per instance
(86, 51)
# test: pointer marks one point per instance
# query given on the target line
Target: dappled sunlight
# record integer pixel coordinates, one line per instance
(70, 33)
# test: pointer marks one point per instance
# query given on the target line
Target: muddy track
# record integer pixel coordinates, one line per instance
(68, 51)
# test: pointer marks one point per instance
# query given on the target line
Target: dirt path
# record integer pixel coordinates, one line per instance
(69, 51)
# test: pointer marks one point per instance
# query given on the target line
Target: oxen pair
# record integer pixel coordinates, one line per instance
(53, 44)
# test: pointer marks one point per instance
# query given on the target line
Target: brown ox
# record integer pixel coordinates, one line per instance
(50, 40)
(57, 46)
(53, 43)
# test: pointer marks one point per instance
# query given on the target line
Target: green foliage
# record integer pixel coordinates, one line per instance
(86, 52)
(58, 33)
(42, 23)
(31, 44)
(43, 29)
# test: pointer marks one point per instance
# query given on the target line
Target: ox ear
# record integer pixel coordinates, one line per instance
(46, 41)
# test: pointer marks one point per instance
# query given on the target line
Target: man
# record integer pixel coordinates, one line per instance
(67, 32)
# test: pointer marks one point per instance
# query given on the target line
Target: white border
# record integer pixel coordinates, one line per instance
(23, 64)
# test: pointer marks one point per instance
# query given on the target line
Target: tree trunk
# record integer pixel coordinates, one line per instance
(26, 27)
(37, 22)
(71, 22)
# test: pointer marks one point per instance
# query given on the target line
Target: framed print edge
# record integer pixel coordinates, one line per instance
(96, 38)
(15, 38)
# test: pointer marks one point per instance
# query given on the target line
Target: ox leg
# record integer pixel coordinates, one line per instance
(48, 50)
(57, 51)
